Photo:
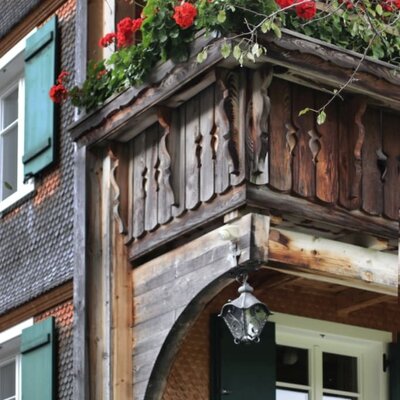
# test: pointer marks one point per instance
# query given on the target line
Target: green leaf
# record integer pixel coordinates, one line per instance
(321, 118)
(379, 9)
(250, 56)
(221, 18)
(276, 30)
(226, 49)
(202, 56)
(237, 52)
(304, 111)
(266, 26)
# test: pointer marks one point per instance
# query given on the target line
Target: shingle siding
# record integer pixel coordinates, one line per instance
(12, 12)
(36, 238)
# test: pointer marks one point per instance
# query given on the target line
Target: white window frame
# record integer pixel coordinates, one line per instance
(12, 57)
(367, 345)
(12, 337)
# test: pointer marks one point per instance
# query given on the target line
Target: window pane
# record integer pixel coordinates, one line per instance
(330, 397)
(10, 108)
(9, 161)
(292, 365)
(284, 394)
(340, 372)
(7, 381)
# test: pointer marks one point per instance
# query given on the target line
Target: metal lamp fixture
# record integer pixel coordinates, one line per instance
(245, 316)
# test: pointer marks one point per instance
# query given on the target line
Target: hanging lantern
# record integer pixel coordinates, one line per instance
(245, 316)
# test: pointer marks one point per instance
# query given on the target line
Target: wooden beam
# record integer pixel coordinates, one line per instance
(80, 345)
(334, 261)
(348, 303)
(188, 223)
(264, 198)
(48, 300)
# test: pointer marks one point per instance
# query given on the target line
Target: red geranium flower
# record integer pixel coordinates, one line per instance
(185, 14)
(390, 5)
(124, 32)
(284, 3)
(58, 93)
(101, 73)
(107, 39)
(136, 24)
(306, 10)
(63, 75)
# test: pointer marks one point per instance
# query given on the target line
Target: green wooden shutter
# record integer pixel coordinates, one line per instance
(38, 361)
(394, 370)
(243, 371)
(40, 119)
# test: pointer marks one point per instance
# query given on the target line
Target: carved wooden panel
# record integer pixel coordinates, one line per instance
(326, 149)
(303, 157)
(391, 147)
(282, 136)
(193, 154)
(373, 164)
(350, 161)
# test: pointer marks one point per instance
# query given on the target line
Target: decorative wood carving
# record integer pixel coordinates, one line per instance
(314, 144)
(223, 135)
(193, 153)
(258, 111)
(115, 202)
(165, 193)
(372, 160)
(151, 178)
(326, 175)
(207, 130)
(139, 176)
(360, 108)
(391, 147)
(291, 139)
(303, 166)
(282, 135)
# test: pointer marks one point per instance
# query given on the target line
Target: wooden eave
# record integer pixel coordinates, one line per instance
(297, 58)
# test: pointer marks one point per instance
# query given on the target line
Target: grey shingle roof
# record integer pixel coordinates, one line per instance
(13, 11)
(36, 238)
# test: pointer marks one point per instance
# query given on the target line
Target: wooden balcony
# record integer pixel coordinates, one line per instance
(205, 139)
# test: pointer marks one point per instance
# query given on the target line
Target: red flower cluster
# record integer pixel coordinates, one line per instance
(390, 5)
(124, 36)
(304, 10)
(107, 39)
(58, 92)
(185, 14)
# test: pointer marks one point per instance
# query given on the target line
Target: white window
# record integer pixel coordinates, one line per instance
(10, 362)
(319, 360)
(12, 186)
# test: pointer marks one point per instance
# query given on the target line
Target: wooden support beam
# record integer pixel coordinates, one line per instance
(332, 261)
(262, 197)
(53, 298)
(347, 303)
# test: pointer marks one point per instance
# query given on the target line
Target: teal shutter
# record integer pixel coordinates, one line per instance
(38, 361)
(394, 370)
(243, 371)
(40, 120)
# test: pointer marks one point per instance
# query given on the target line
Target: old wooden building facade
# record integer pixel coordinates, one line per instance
(207, 171)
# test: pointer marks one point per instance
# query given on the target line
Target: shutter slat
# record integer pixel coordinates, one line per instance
(40, 112)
